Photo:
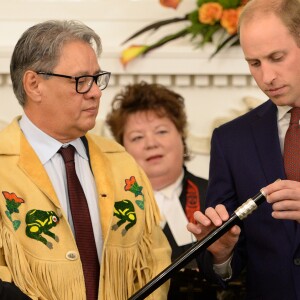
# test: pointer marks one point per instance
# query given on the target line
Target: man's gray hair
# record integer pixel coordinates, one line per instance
(40, 46)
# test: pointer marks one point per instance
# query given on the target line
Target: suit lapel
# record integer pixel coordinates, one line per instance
(32, 167)
(103, 179)
(265, 132)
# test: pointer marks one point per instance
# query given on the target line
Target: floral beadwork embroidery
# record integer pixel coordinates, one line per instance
(124, 210)
(12, 204)
(40, 221)
(132, 186)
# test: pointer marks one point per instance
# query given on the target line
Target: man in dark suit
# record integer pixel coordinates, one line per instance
(247, 155)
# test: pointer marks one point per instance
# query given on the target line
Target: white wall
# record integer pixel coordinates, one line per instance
(214, 90)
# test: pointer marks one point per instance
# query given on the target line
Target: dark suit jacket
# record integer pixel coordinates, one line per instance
(8, 291)
(246, 156)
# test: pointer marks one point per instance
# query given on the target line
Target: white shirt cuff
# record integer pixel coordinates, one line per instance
(224, 270)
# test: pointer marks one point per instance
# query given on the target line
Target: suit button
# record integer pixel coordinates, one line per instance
(72, 255)
(297, 261)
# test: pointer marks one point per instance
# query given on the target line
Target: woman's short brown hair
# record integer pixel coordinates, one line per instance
(147, 97)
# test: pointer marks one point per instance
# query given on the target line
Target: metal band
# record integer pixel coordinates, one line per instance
(245, 209)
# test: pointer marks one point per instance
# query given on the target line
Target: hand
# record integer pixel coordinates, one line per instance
(221, 249)
(284, 195)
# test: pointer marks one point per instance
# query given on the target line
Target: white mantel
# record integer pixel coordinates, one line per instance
(213, 89)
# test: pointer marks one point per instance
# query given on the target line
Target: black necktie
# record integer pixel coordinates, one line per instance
(85, 239)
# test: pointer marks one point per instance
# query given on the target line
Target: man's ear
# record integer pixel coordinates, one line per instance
(31, 83)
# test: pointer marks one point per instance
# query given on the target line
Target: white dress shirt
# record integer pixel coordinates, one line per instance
(46, 149)
(283, 120)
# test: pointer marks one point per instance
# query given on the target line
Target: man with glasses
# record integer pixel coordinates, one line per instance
(77, 216)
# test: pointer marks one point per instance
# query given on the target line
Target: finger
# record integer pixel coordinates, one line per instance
(280, 185)
(235, 231)
(222, 212)
(194, 228)
(217, 215)
(202, 218)
(286, 205)
(286, 215)
(198, 230)
(229, 239)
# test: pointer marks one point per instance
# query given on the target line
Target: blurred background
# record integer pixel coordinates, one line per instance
(215, 89)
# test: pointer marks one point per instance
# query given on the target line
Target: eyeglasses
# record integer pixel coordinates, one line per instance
(85, 82)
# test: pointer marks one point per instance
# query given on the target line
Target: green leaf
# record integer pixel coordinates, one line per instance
(167, 39)
(193, 17)
(225, 3)
(136, 189)
(201, 2)
(198, 28)
(233, 39)
(155, 26)
(140, 204)
(16, 224)
(230, 3)
(209, 32)
(8, 214)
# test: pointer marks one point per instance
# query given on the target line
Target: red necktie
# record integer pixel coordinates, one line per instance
(82, 225)
(292, 147)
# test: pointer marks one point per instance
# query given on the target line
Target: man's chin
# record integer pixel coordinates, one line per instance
(281, 100)
(89, 125)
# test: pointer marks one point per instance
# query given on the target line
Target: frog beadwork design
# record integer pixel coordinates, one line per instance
(38, 222)
(124, 210)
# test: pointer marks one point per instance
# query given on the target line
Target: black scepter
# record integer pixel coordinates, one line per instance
(239, 214)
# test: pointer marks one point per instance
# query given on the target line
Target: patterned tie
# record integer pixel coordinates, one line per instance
(292, 147)
(82, 225)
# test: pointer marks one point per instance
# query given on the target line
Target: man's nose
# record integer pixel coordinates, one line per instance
(268, 74)
(95, 90)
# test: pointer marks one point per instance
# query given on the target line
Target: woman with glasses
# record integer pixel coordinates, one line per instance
(78, 216)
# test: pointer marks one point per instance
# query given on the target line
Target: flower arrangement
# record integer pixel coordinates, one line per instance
(208, 18)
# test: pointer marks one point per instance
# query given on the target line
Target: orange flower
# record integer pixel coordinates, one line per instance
(210, 13)
(129, 183)
(12, 197)
(170, 3)
(230, 20)
(132, 186)
(132, 52)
